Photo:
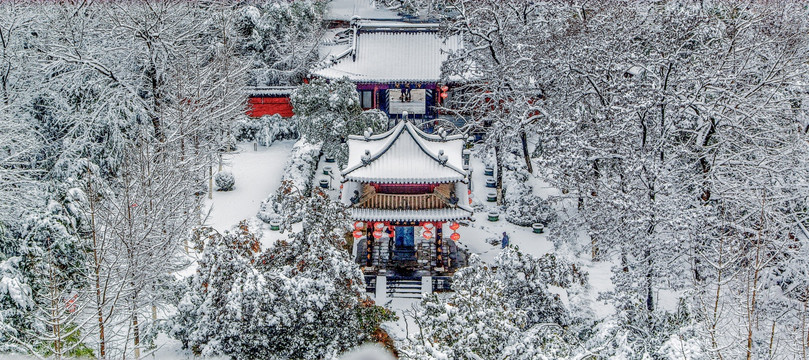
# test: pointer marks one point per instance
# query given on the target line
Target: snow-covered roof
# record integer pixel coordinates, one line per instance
(270, 90)
(445, 214)
(345, 10)
(391, 52)
(405, 154)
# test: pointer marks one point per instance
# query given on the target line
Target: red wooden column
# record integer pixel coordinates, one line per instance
(439, 244)
(369, 243)
(373, 99)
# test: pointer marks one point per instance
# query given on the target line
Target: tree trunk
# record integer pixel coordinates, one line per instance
(54, 295)
(136, 334)
(102, 352)
(649, 291)
(525, 153)
(499, 165)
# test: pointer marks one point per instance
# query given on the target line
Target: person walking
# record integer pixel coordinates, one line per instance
(504, 242)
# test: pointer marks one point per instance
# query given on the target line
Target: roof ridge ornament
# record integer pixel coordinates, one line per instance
(367, 134)
(366, 159)
(442, 133)
(442, 159)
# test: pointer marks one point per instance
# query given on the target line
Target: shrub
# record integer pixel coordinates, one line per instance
(299, 173)
(265, 130)
(522, 207)
(224, 180)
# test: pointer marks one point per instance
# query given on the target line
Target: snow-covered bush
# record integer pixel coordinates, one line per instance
(264, 130)
(523, 208)
(228, 143)
(224, 180)
(299, 173)
(509, 313)
(301, 299)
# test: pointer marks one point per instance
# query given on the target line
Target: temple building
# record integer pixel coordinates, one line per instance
(396, 66)
(406, 191)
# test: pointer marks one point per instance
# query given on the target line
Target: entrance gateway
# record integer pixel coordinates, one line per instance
(404, 248)
(407, 191)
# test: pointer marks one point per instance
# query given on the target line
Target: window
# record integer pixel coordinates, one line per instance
(366, 99)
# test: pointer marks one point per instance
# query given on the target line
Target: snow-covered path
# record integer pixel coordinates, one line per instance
(258, 174)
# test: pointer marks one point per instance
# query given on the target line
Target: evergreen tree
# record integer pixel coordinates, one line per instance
(327, 112)
(298, 299)
(504, 314)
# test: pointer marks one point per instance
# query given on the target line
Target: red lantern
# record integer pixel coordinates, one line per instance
(357, 234)
(377, 234)
(359, 225)
(379, 226)
(427, 234)
(444, 88)
(470, 201)
(454, 226)
(428, 226)
(455, 236)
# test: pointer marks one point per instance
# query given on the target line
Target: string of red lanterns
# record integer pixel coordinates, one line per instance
(427, 233)
(455, 236)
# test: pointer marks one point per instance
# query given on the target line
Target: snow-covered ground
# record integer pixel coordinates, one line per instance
(258, 174)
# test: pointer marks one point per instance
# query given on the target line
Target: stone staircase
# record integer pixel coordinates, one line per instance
(404, 288)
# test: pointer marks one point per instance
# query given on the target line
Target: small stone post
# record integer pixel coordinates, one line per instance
(381, 288)
(426, 285)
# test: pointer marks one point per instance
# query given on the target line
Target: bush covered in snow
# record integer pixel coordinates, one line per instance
(264, 130)
(224, 180)
(523, 208)
(299, 299)
(228, 143)
(509, 313)
(296, 181)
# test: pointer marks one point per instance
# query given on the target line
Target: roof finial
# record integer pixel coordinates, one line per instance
(367, 134)
(404, 115)
(367, 157)
(441, 157)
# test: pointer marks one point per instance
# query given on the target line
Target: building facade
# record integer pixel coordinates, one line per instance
(407, 191)
(396, 66)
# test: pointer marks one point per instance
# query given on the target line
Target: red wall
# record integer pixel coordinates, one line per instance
(260, 106)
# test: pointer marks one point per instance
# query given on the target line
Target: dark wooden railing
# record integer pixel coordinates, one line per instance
(435, 200)
(403, 202)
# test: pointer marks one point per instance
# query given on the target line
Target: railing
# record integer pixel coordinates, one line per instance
(403, 202)
(442, 283)
(370, 284)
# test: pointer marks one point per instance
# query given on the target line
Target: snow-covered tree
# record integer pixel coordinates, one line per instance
(327, 112)
(298, 299)
(280, 39)
(676, 128)
(507, 313)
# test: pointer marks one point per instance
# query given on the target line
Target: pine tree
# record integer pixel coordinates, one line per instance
(298, 299)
